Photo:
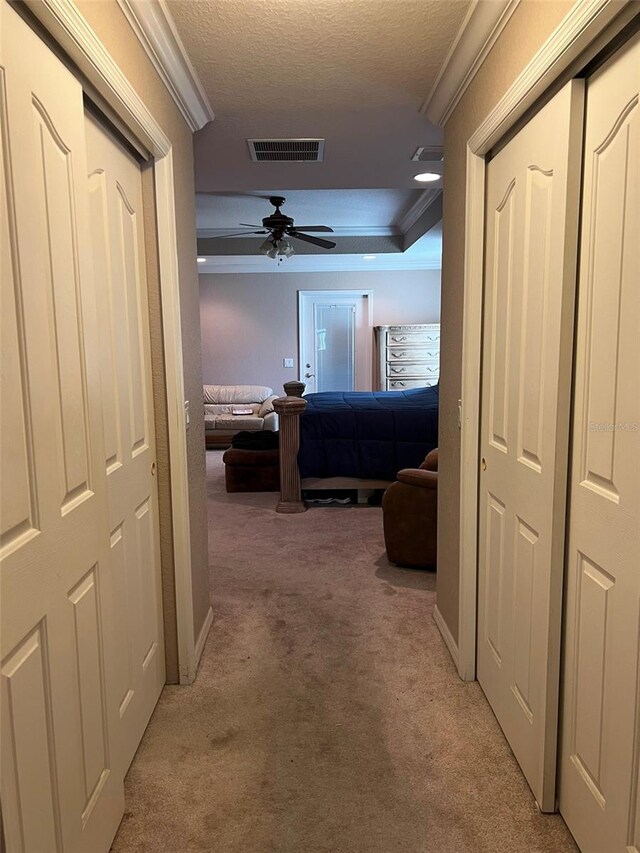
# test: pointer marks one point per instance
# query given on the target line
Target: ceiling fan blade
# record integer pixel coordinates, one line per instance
(317, 241)
(249, 224)
(323, 228)
(239, 234)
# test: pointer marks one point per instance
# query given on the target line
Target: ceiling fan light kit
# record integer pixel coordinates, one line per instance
(280, 228)
(277, 249)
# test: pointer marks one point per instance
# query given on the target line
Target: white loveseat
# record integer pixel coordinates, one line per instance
(220, 424)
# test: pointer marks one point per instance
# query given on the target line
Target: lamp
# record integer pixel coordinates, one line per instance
(277, 248)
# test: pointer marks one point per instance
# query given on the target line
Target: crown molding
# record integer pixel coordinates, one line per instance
(411, 216)
(315, 263)
(153, 25)
(583, 23)
(478, 32)
(64, 22)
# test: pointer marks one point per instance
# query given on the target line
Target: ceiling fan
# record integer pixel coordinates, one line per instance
(279, 228)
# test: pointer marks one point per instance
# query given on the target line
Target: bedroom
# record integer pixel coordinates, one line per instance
(323, 708)
(377, 241)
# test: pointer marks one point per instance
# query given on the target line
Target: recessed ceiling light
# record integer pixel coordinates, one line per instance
(202, 260)
(425, 177)
(369, 257)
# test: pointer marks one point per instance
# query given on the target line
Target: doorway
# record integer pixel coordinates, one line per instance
(334, 334)
(82, 637)
(526, 400)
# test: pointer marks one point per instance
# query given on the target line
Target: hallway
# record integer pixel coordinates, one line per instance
(327, 714)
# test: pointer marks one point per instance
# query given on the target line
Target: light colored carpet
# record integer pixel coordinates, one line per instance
(327, 716)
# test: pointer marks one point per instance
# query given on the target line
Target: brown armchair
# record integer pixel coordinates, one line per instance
(409, 514)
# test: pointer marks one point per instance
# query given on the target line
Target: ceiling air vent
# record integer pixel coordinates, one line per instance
(428, 154)
(289, 150)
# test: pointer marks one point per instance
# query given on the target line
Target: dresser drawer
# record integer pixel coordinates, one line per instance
(405, 384)
(411, 338)
(421, 353)
(427, 369)
(408, 356)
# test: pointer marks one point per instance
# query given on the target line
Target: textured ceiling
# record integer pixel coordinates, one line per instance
(352, 71)
(336, 54)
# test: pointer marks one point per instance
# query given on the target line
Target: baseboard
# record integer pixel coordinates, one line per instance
(447, 636)
(204, 633)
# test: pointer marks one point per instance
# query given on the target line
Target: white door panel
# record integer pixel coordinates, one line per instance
(115, 193)
(60, 788)
(528, 328)
(335, 336)
(601, 710)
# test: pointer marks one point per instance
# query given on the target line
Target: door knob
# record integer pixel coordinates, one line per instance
(483, 464)
(309, 376)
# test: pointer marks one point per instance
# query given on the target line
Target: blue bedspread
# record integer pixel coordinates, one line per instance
(367, 434)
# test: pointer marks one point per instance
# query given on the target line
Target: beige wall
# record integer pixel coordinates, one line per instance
(250, 322)
(530, 25)
(107, 19)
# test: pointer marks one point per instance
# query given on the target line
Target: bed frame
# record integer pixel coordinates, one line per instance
(289, 409)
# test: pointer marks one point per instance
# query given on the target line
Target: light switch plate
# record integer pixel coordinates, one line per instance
(287, 362)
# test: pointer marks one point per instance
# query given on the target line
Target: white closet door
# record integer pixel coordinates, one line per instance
(599, 786)
(531, 249)
(115, 193)
(60, 788)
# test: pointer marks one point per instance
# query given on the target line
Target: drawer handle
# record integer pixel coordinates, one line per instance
(399, 340)
(398, 369)
(398, 354)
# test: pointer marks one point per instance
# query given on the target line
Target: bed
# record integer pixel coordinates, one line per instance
(352, 439)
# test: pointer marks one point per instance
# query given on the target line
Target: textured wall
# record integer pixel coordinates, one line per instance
(250, 322)
(108, 20)
(531, 24)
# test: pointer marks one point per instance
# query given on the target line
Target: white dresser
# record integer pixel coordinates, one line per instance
(408, 356)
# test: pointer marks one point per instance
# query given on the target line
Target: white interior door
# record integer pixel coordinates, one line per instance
(531, 251)
(115, 193)
(599, 784)
(335, 340)
(61, 789)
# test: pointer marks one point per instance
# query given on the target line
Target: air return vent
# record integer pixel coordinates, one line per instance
(290, 150)
(428, 154)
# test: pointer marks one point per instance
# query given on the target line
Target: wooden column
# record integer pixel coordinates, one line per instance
(289, 410)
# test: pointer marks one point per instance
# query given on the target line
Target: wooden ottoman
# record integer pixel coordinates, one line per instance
(251, 470)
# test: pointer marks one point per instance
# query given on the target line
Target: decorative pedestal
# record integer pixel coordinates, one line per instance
(289, 410)
(295, 388)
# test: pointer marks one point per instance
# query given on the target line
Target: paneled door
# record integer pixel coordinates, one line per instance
(599, 781)
(61, 790)
(531, 251)
(116, 217)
